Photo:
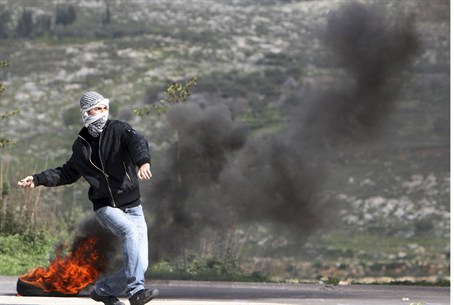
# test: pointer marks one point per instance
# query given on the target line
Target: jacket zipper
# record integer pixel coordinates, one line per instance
(126, 172)
(100, 169)
(104, 172)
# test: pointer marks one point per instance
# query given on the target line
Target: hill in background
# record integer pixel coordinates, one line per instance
(258, 59)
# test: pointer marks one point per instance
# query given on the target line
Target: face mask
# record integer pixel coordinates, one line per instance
(95, 124)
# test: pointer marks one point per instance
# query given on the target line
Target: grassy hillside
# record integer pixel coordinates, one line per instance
(256, 57)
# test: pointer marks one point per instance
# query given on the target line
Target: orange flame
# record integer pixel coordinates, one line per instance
(70, 274)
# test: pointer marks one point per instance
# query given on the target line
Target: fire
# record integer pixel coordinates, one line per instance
(70, 274)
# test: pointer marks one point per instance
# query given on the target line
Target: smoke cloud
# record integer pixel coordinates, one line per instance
(218, 174)
(373, 50)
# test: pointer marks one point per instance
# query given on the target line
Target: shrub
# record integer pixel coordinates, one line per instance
(21, 253)
(204, 269)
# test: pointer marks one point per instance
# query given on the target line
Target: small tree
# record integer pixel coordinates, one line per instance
(105, 18)
(7, 218)
(4, 141)
(65, 15)
(175, 93)
(43, 25)
(5, 19)
(24, 26)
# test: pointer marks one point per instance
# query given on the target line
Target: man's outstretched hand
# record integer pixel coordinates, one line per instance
(144, 172)
(26, 182)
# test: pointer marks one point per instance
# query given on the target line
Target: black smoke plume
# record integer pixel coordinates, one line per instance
(206, 136)
(218, 174)
(373, 50)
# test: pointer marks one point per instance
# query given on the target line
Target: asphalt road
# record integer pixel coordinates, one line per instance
(211, 293)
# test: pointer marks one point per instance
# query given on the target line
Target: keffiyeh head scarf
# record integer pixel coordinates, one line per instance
(94, 123)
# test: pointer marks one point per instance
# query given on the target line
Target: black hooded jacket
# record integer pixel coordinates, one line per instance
(113, 176)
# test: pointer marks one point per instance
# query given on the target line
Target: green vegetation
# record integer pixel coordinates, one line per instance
(204, 269)
(439, 283)
(175, 93)
(20, 253)
(4, 141)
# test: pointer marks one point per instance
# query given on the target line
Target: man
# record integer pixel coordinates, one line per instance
(107, 154)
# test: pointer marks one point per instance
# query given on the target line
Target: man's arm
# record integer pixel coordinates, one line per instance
(51, 177)
(139, 150)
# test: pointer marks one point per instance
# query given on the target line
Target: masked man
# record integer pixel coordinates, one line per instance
(111, 156)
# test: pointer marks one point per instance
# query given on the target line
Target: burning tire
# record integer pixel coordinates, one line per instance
(66, 275)
(27, 289)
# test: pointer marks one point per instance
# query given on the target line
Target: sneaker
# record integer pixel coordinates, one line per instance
(143, 296)
(107, 300)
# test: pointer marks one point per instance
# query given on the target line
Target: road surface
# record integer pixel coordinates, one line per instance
(214, 293)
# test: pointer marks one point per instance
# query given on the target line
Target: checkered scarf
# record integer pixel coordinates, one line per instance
(94, 123)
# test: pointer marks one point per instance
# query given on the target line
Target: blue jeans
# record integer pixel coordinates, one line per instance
(131, 227)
